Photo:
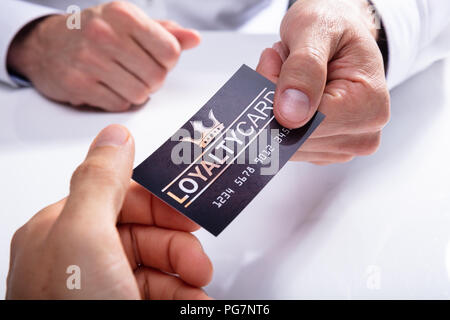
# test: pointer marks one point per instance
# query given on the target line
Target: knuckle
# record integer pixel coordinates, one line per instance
(306, 68)
(141, 94)
(113, 103)
(369, 145)
(374, 144)
(121, 106)
(28, 230)
(302, 14)
(172, 53)
(159, 76)
(121, 12)
(98, 30)
(168, 23)
(311, 57)
(156, 80)
(118, 7)
(383, 113)
(18, 237)
(345, 158)
(95, 169)
(155, 87)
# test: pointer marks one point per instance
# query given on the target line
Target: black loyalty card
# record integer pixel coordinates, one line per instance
(214, 165)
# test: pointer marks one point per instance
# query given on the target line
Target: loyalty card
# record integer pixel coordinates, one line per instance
(219, 160)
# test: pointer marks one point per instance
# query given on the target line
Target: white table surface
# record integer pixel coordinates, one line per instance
(378, 227)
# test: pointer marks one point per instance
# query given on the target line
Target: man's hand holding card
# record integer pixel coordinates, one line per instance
(336, 70)
(214, 165)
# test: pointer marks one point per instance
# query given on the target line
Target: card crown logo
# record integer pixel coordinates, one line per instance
(207, 133)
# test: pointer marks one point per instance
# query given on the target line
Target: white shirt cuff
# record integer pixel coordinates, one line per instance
(402, 25)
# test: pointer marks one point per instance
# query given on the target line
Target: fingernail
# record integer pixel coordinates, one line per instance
(113, 135)
(294, 105)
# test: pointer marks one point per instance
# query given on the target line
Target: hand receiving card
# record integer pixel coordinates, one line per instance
(213, 166)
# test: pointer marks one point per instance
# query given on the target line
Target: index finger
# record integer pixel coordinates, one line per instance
(270, 64)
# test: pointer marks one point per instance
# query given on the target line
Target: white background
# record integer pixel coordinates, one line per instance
(374, 228)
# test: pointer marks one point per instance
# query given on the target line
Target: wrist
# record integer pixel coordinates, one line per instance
(25, 49)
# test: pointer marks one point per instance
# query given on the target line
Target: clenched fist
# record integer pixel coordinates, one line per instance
(117, 58)
(328, 60)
